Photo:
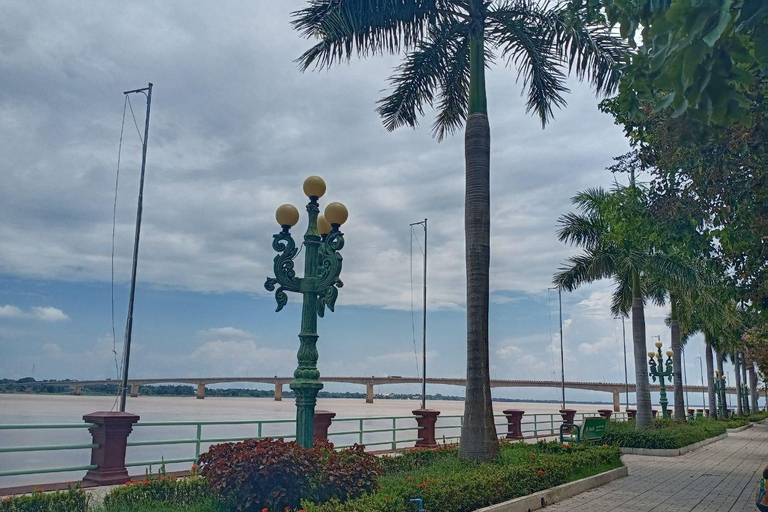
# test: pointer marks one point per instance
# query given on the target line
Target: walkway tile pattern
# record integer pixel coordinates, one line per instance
(720, 477)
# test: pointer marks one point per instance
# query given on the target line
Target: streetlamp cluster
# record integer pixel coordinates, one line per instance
(662, 371)
(319, 287)
(719, 386)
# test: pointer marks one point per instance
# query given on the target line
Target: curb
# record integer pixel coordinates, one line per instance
(672, 452)
(738, 429)
(541, 499)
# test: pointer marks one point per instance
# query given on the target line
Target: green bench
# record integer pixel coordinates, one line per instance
(592, 430)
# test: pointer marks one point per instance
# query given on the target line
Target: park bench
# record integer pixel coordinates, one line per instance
(591, 430)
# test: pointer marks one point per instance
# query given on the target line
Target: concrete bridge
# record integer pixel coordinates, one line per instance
(615, 388)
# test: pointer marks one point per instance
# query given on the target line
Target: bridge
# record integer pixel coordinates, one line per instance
(615, 388)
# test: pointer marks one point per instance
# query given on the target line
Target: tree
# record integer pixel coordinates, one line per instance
(621, 242)
(449, 44)
(695, 57)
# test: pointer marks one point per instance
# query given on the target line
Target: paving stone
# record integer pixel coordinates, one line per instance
(720, 477)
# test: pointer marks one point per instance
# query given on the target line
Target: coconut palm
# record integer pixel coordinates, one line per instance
(448, 46)
(616, 232)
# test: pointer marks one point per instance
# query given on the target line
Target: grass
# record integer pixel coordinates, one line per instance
(161, 506)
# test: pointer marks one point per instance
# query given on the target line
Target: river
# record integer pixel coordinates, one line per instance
(16, 409)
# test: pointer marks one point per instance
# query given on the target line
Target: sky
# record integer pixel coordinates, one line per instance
(235, 128)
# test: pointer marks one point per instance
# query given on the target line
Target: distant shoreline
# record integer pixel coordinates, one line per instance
(62, 388)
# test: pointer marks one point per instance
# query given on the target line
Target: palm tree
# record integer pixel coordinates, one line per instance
(616, 232)
(449, 44)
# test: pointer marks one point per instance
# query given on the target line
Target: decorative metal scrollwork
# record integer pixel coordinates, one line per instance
(285, 275)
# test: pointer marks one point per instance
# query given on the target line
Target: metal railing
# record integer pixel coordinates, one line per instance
(534, 426)
(374, 431)
(46, 448)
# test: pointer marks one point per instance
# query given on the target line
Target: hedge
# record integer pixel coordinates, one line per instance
(663, 435)
(71, 500)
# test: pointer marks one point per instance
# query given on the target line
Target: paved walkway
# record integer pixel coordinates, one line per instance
(720, 477)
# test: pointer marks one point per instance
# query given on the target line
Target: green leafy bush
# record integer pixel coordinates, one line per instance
(446, 483)
(71, 500)
(759, 416)
(663, 435)
(275, 474)
(165, 490)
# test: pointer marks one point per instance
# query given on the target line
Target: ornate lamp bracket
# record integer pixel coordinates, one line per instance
(285, 275)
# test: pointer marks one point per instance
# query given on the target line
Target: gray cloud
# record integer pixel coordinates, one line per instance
(235, 129)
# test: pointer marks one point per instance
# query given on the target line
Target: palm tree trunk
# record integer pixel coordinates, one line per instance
(737, 371)
(710, 377)
(719, 357)
(643, 393)
(674, 328)
(753, 387)
(478, 434)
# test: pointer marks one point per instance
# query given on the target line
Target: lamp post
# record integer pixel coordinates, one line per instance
(719, 389)
(661, 370)
(322, 266)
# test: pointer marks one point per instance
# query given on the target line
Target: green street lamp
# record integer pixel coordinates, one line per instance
(661, 371)
(319, 287)
(719, 386)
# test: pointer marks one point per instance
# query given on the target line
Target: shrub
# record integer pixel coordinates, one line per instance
(663, 435)
(275, 474)
(164, 490)
(450, 484)
(72, 500)
(414, 458)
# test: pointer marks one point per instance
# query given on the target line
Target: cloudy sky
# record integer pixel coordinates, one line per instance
(235, 129)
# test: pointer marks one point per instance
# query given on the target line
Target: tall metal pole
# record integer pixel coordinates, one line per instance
(701, 371)
(424, 326)
(626, 375)
(562, 357)
(129, 321)
(424, 334)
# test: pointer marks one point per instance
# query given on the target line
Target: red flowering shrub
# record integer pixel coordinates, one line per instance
(273, 474)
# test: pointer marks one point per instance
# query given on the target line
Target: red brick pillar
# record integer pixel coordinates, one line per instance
(655, 412)
(426, 422)
(111, 434)
(631, 414)
(605, 413)
(514, 423)
(568, 417)
(322, 422)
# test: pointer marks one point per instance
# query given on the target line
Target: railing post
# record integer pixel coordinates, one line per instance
(198, 438)
(394, 434)
(111, 434)
(426, 422)
(514, 423)
(323, 420)
(568, 417)
(605, 413)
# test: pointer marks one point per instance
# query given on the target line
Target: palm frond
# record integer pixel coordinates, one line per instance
(621, 301)
(454, 92)
(420, 75)
(584, 230)
(591, 199)
(363, 27)
(526, 45)
(585, 268)
(584, 40)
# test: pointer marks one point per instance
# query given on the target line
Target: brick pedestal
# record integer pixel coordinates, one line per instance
(631, 414)
(605, 413)
(111, 434)
(514, 423)
(426, 422)
(568, 417)
(323, 420)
